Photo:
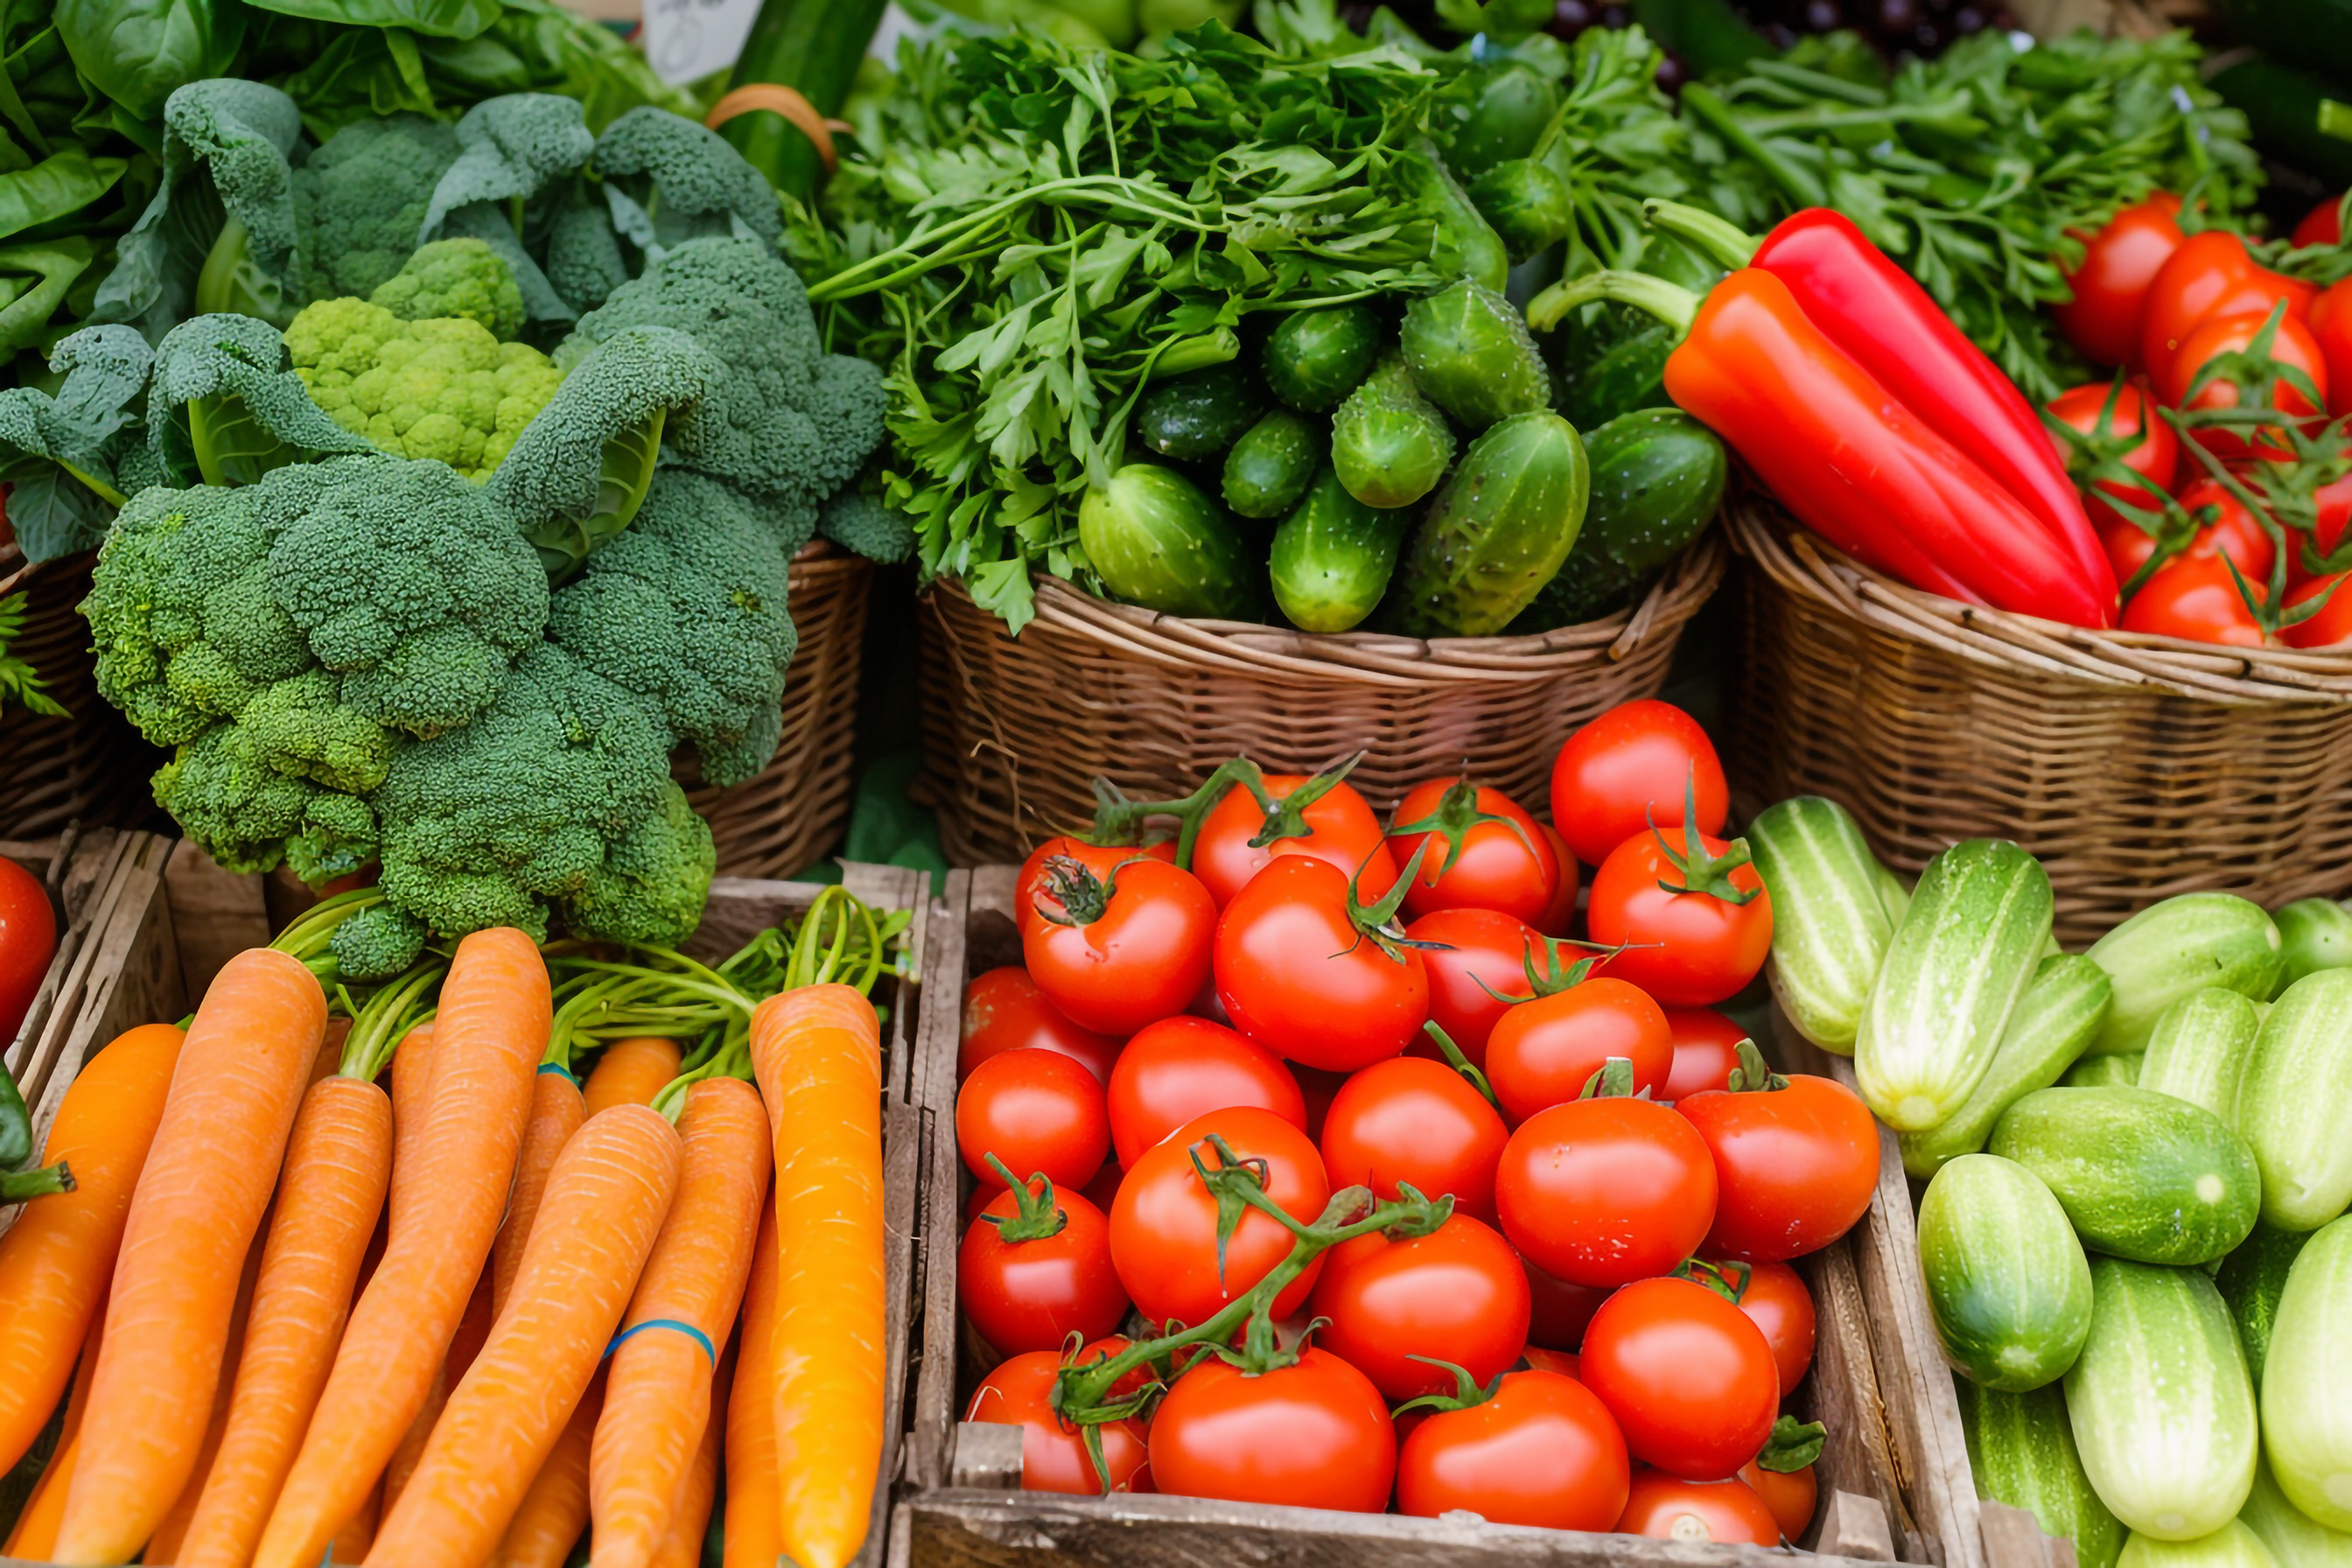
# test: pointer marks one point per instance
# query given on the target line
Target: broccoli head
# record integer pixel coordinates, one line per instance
(377, 944)
(654, 881)
(441, 388)
(668, 179)
(229, 797)
(863, 525)
(455, 278)
(361, 199)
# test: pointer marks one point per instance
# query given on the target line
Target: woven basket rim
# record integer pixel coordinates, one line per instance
(1803, 563)
(1254, 648)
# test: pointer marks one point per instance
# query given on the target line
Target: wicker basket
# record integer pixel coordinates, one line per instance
(777, 823)
(90, 765)
(2135, 766)
(1015, 729)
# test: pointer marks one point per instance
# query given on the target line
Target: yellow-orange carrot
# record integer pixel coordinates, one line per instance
(555, 1510)
(630, 1072)
(337, 1165)
(351, 1542)
(556, 1114)
(605, 1200)
(818, 1052)
(683, 1546)
(488, 1037)
(166, 1545)
(56, 1259)
(192, 1219)
(35, 1535)
(754, 1540)
(473, 1331)
(659, 1400)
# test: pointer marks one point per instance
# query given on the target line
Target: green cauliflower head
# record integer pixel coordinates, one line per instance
(455, 278)
(361, 199)
(443, 388)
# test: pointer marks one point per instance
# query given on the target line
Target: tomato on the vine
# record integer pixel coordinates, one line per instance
(1099, 859)
(1687, 949)
(1797, 1158)
(2141, 440)
(2194, 597)
(2234, 532)
(2333, 623)
(1558, 1311)
(1476, 961)
(1630, 768)
(1030, 1276)
(1181, 1068)
(1605, 1191)
(1776, 1301)
(1018, 1393)
(1005, 1011)
(1037, 1111)
(1310, 1435)
(1454, 1295)
(1121, 948)
(2323, 225)
(2211, 275)
(2293, 346)
(1788, 1494)
(1541, 1452)
(1408, 1119)
(1544, 1050)
(1706, 1050)
(1688, 1377)
(1298, 974)
(1484, 852)
(1728, 1513)
(1337, 828)
(1163, 1226)
(2102, 318)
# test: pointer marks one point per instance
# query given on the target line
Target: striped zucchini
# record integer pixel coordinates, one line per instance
(1829, 920)
(2232, 1546)
(2054, 1019)
(2022, 1452)
(2007, 1282)
(2103, 1072)
(1958, 963)
(2250, 1280)
(2160, 1402)
(2142, 1175)
(2295, 1105)
(2173, 948)
(2307, 1381)
(2199, 1051)
(2314, 934)
(2295, 1538)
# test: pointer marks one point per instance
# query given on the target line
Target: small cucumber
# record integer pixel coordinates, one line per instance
(2175, 948)
(1470, 354)
(1272, 465)
(1197, 415)
(1658, 476)
(2142, 1175)
(2295, 1104)
(1157, 541)
(2295, 1538)
(1830, 924)
(1526, 205)
(1510, 103)
(1461, 245)
(2307, 1381)
(2022, 1452)
(2199, 1051)
(1896, 889)
(2103, 1072)
(2008, 1284)
(2232, 1546)
(1333, 556)
(2252, 1280)
(2054, 1019)
(2314, 934)
(1500, 528)
(1312, 359)
(1389, 444)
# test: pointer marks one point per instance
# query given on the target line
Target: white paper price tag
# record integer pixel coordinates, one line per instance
(687, 40)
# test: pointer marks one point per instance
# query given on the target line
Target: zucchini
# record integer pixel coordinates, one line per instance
(2102, 1072)
(1156, 540)
(1470, 354)
(2250, 1280)
(2314, 934)
(2295, 1538)
(2142, 1175)
(1312, 359)
(1333, 556)
(2007, 1282)
(2295, 1105)
(2161, 1408)
(2022, 1452)
(2178, 948)
(1500, 528)
(2307, 1381)
(1830, 924)
(1198, 415)
(2232, 1546)
(1955, 968)
(1388, 443)
(2054, 1019)
(1657, 477)
(1273, 463)
(2199, 1051)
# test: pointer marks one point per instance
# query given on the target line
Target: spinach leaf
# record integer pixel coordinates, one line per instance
(139, 52)
(56, 187)
(433, 19)
(38, 275)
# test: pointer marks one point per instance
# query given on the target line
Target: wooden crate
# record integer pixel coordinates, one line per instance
(1894, 1481)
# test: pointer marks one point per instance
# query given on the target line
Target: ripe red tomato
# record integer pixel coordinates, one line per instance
(2323, 225)
(1178, 1069)
(1319, 1088)
(1706, 1050)
(1135, 950)
(1541, 1452)
(1481, 957)
(2293, 344)
(1558, 1311)
(1776, 1301)
(1037, 1111)
(2194, 597)
(1005, 1011)
(1163, 1227)
(1456, 1294)
(1605, 1191)
(1340, 830)
(2333, 623)
(1544, 1050)
(1310, 1435)
(1407, 1120)
(1665, 1509)
(1507, 865)
(2209, 275)
(1296, 976)
(1687, 1376)
(1561, 1361)
(2154, 455)
(1053, 1453)
(1796, 1165)
(1688, 949)
(2234, 532)
(1633, 760)
(28, 941)
(2103, 319)
(2331, 325)
(1097, 858)
(1790, 1495)
(1557, 919)
(1031, 1295)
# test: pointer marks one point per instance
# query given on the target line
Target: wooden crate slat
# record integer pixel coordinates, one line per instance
(935, 1059)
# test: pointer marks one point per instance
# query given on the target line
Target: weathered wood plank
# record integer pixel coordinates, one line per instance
(937, 1040)
(987, 1457)
(1854, 1526)
(2013, 1538)
(219, 912)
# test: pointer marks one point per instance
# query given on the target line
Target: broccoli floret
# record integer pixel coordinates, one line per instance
(511, 147)
(337, 838)
(228, 799)
(376, 944)
(442, 388)
(455, 278)
(668, 180)
(361, 199)
(585, 263)
(222, 410)
(654, 881)
(863, 525)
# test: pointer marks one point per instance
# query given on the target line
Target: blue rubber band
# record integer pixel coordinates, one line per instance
(557, 1068)
(697, 1335)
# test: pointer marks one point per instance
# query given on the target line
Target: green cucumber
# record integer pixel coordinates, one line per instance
(2307, 1381)
(1312, 359)
(1156, 540)
(1333, 556)
(2008, 1284)
(2142, 1175)
(1657, 478)
(1500, 528)
(1461, 244)
(1895, 889)
(2177, 948)
(1272, 465)
(1509, 104)
(2022, 1452)
(2054, 1019)
(2252, 1280)
(2295, 1538)
(1388, 443)
(2314, 934)
(2232, 1546)
(2162, 1410)
(1470, 354)
(2102, 1072)
(1528, 206)
(1955, 968)
(1830, 924)
(1198, 415)
(2295, 1105)
(2199, 1051)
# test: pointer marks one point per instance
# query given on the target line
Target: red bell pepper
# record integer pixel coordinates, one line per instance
(2210, 275)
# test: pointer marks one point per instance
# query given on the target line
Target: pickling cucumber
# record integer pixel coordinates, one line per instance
(2314, 934)
(1830, 924)
(2008, 1284)
(2059, 1013)
(1504, 520)
(1389, 444)
(2295, 1104)
(2307, 1381)
(1198, 415)
(1470, 354)
(1312, 359)
(1273, 463)
(1157, 541)
(2199, 1051)
(2100, 1072)
(2142, 1175)
(1658, 476)
(2175, 947)
(2022, 1452)
(1333, 556)
(2252, 1280)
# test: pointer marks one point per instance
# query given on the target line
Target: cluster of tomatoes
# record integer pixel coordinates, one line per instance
(2255, 362)
(1597, 1336)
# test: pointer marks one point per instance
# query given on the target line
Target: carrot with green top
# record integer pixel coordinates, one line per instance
(631, 1072)
(752, 1537)
(555, 1510)
(556, 1112)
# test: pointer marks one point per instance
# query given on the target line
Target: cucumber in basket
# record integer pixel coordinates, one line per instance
(1273, 463)
(1312, 359)
(2161, 1408)
(1158, 540)
(2199, 1051)
(2022, 1452)
(2314, 934)
(1829, 923)
(2180, 946)
(2142, 1175)
(2008, 1284)
(1333, 556)
(2307, 1381)
(1958, 963)
(1471, 353)
(1498, 531)
(1657, 477)
(2047, 1031)
(1198, 415)
(2252, 1280)
(2232, 1546)
(1388, 443)
(2295, 1104)
(2295, 1538)
(2100, 1072)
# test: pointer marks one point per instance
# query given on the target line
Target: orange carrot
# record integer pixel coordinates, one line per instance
(199, 1203)
(818, 1052)
(165, 1546)
(556, 1114)
(605, 1200)
(631, 1072)
(55, 1261)
(486, 1038)
(351, 1542)
(36, 1533)
(555, 1510)
(659, 1397)
(754, 1540)
(411, 1084)
(465, 1345)
(683, 1547)
(337, 1166)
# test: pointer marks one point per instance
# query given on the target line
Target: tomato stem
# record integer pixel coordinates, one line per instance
(1461, 1063)
(1702, 873)
(1728, 1281)
(1613, 1080)
(1793, 1446)
(1120, 820)
(1458, 813)
(1036, 1216)
(1287, 817)
(23, 1186)
(1468, 1394)
(1751, 1075)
